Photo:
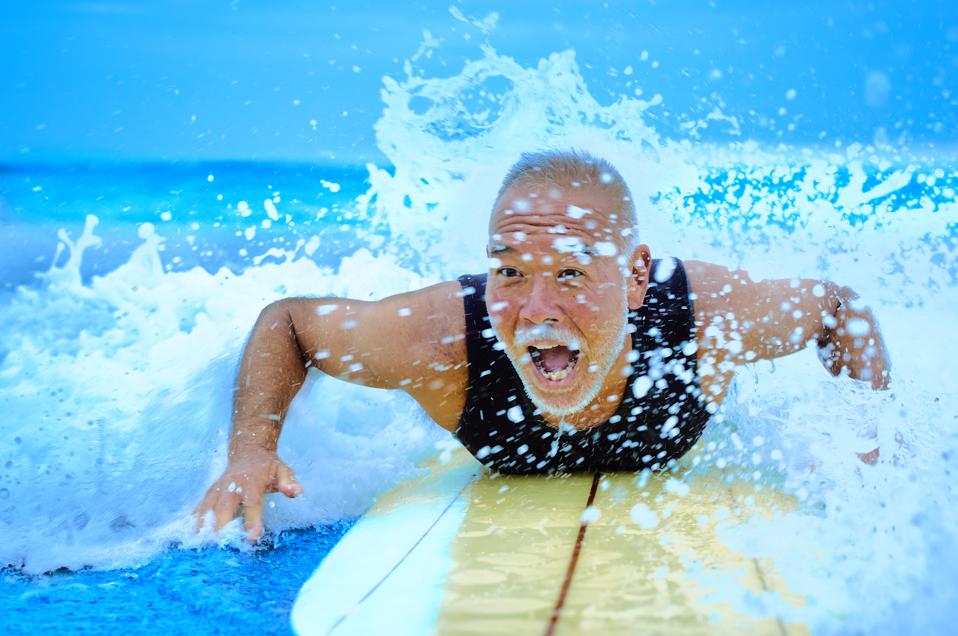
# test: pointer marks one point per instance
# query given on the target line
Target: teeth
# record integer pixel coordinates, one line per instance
(555, 376)
(552, 376)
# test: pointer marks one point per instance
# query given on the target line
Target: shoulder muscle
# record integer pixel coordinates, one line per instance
(395, 342)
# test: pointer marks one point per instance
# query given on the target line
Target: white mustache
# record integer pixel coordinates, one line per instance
(530, 335)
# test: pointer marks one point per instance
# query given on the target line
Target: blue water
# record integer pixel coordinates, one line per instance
(37, 200)
(209, 591)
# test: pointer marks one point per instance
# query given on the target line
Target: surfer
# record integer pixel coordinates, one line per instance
(575, 352)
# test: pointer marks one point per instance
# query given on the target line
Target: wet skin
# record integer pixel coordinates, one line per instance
(577, 274)
(581, 285)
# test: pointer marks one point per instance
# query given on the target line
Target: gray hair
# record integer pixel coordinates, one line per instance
(574, 169)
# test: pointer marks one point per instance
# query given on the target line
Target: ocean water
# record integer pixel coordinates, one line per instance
(128, 291)
(207, 591)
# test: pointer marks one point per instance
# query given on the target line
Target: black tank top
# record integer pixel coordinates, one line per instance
(662, 413)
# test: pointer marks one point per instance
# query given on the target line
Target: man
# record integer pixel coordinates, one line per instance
(575, 352)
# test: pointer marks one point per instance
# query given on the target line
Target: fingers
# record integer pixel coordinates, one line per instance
(286, 483)
(205, 506)
(227, 507)
(881, 376)
(883, 364)
(830, 357)
(253, 515)
(246, 489)
(870, 458)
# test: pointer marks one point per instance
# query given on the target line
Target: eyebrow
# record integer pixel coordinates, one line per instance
(505, 249)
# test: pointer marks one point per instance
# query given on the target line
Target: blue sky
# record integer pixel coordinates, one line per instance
(236, 79)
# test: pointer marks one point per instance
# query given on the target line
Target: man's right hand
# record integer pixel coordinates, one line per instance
(249, 475)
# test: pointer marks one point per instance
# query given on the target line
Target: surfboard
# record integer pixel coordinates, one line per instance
(460, 550)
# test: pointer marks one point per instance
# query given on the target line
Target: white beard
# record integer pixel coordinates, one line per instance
(600, 375)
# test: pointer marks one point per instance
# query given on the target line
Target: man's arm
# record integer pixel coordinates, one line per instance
(412, 341)
(740, 320)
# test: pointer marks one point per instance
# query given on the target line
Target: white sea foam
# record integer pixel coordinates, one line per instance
(116, 403)
(115, 394)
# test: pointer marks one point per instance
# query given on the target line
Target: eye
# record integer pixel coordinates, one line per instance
(508, 272)
(568, 274)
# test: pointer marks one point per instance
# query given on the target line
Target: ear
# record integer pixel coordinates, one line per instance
(638, 282)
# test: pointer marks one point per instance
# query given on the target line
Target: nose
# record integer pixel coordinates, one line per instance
(540, 306)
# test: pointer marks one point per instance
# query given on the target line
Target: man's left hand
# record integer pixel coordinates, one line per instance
(852, 342)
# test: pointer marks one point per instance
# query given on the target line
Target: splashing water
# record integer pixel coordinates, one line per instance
(115, 392)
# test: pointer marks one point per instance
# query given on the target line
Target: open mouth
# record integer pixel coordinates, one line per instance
(554, 363)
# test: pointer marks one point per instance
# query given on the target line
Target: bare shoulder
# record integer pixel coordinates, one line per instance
(711, 289)
(432, 345)
(413, 341)
(716, 288)
(389, 343)
(430, 321)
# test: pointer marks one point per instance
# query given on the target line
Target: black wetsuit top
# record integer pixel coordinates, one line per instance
(661, 415)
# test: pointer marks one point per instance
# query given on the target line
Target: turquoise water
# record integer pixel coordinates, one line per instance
(129, 287)
(196, 214)
(198, 591)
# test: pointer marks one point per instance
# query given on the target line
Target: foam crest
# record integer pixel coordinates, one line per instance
(451, 139)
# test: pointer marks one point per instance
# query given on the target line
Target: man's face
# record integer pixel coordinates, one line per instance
(559, 291)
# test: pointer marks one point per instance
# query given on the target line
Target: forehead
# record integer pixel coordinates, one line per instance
(542, 212)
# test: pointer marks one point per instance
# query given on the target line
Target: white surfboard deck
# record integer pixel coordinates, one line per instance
(462, 551)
